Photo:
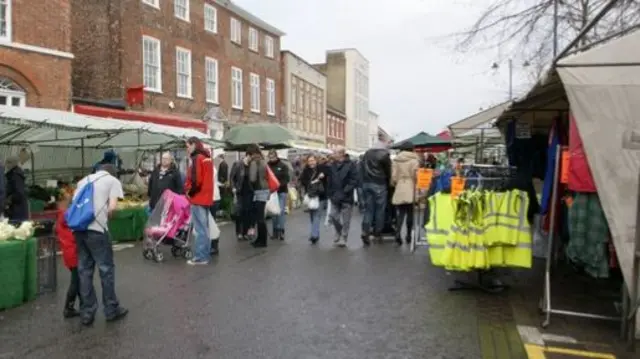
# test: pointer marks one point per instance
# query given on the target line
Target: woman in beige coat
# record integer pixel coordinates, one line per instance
(403, 178)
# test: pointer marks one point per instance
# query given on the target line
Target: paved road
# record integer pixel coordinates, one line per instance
(290, 300)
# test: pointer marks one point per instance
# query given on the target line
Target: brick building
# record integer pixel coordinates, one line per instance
(336, 128)
(35, 53)
(191, 56)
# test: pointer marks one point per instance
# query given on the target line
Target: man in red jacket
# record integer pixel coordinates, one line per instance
(199, 190)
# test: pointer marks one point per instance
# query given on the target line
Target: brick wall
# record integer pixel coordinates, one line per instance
(45, 78)
(118, 26)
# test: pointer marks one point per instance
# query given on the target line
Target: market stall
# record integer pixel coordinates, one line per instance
(603, 86)
(59, 139)
(18, 265)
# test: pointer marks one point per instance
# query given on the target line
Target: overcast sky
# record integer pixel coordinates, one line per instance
(417, 81)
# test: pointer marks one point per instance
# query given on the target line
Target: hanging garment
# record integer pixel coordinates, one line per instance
(580, 178)
(437, 230)
(480, 229)
(588, 235)
(547, 189)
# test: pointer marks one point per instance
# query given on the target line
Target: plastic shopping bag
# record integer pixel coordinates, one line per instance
(272, 208)
(214, 230)
(311, 203)
(326, 218)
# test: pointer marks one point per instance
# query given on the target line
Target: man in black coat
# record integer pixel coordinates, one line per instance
(343, 179)
(375, 170)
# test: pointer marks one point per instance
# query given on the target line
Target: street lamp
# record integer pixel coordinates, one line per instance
(495, 66)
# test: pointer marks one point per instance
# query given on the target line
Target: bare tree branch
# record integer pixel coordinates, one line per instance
(524, 28)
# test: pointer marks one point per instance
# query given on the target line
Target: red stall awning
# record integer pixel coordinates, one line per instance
(156, 118)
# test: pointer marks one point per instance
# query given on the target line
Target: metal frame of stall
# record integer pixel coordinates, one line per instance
(546, 303)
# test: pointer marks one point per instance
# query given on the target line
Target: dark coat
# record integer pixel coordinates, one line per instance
(223, 172)
(16, 195)
(281, 171)
(343, 179)
(159, 183)
(309, 174)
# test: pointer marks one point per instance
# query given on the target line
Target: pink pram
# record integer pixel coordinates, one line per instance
(169, 223)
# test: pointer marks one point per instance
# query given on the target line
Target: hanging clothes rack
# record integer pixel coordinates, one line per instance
(480, 177)
(546, 302)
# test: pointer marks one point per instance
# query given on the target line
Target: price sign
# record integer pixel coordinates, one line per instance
(564, 167)
(457, 186)
(424, 177)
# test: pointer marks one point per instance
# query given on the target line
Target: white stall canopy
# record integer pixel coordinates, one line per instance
(27, 125)
(603, 87)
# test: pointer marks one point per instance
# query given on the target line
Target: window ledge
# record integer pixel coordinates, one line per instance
(255, 111)
(239, 108)
(185, 97)
(236, 43)
(271, 114)
(36, 49)
(147, 89)
(216, 102)
(183, 19)
(213, 32)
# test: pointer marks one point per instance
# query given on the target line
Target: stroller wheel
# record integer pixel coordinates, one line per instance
(176, 252)
(159, 257)
(187, 254)
(147, 254)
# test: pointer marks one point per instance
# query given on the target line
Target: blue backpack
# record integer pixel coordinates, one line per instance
(81, 213)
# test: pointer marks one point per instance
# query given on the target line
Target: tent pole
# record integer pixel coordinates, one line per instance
(82, 156)
(546, 305)
(633, 292)
(605, 10)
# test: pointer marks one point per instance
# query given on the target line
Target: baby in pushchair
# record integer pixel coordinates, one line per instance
(169, 224)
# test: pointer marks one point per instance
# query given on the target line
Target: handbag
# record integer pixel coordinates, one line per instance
(315, 188)
(272, 180)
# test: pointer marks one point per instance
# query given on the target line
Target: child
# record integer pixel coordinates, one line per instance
(69, 255)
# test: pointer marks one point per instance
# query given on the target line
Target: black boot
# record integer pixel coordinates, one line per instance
(408, 238)
(214, 247)
(281, 234)
(70, 310)
(275, 235)
(398, 239)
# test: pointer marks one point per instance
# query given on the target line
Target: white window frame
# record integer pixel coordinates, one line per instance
(211, 80)
(152, 3)
(236, 88)
(236, 31)
(10, 90)
(271, 97)
(178, 7)
(181, 74)
(158, 70)
(8, 21)
(210, 18)
(254, 81)
(269, 50)
(254, 42)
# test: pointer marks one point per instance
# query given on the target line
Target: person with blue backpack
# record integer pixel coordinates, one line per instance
(94, 200)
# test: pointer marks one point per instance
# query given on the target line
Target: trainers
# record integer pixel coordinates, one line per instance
(121, 313)
(192, 262)
(342, 242)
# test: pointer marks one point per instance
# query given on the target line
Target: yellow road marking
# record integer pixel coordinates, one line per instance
(538, 352)
(534, 351)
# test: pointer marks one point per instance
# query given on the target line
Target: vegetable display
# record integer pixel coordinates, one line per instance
(23, 232)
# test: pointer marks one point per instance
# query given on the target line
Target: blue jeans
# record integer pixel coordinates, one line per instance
(278, 221)
(375, 202)
(202, 242)
(316, 217)
(94, 248)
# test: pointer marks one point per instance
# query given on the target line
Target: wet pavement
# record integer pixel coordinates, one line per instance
(290, 300)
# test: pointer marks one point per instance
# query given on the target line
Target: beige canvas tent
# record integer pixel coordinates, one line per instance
(603, 88)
